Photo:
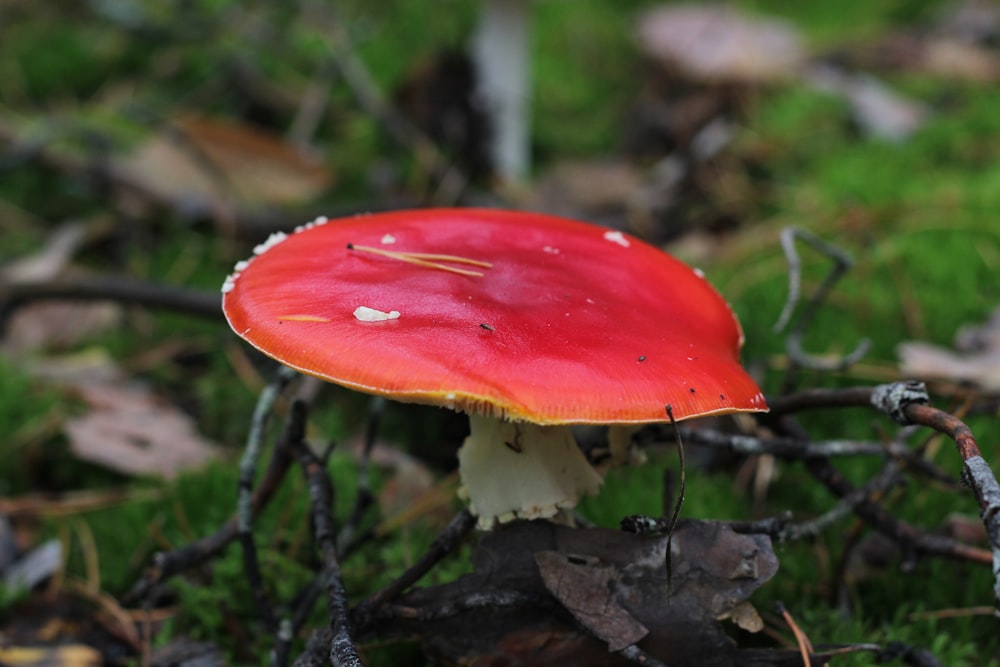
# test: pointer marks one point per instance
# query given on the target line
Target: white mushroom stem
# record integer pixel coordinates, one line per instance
(516, 470)
(500, 51)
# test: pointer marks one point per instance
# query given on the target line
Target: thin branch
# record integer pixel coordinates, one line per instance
(443, 544)
(167, 564)
(120, 289)
(248, 468)
(793, 449)
(906, 403)
(793, 344)
(678, 503)
(342, 651)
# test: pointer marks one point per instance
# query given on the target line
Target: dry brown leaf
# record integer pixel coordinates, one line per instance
(608, 588)
(745, 616)
(960, 61)
(50, 261)
(203, 164)
(70, 655)
(932, 362)
(719, 44)
(878, 111)
(975, 359)
(130, 430)
(53, 324)
(57, 325)
(127, 428)
(586, 590)
(586, 188)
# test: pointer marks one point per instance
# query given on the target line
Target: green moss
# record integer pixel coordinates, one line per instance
(919, 217)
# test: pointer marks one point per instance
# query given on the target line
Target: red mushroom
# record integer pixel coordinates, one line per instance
(527, 322)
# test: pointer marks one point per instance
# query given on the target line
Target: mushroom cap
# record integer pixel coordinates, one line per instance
(569, 323)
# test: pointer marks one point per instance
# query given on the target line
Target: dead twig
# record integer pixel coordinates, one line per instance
(907, 403)
(793, 343)
(119, 289)
(342, 651)
(443, 544)
(167, 564)
(794, 449)
(248, 468)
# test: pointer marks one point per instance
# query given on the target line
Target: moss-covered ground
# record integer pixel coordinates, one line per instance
(919, 217)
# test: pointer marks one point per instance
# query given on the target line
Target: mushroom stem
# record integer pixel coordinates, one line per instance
(518, 470)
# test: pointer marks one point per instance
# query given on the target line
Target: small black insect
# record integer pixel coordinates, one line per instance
(488, 327)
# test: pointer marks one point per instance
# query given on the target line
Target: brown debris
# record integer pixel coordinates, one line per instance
(547, 594)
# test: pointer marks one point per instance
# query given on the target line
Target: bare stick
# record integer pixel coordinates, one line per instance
(120, 289)
(907, 403)
(795, 449)
(167, 564)
(342, 651)
(244, 506)
(679, 502)
(793, 344)
(443, 544)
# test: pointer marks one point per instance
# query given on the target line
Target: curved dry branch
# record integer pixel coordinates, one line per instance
(907, 403)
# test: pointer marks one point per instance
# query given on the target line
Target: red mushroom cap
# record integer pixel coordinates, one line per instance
(525, 316)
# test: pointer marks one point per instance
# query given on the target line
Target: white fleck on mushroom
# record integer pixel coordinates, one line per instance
(366, 314)
(617, 237)
(272, 240)
(388, 239)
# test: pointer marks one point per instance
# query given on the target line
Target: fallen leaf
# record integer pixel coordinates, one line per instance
(132, 431)
(932, 362)
(127, 428)
(587, 592)
(975, 358)
(745, 616)
(42, 325)
(720, 44)
(878, 111)
(543, 594)
(966, 529)
(34, 567)
(409, 481)
(48, 262)
(71, 655)
(983, 337)
(586, 189)
(959, 61)
(200, 164)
